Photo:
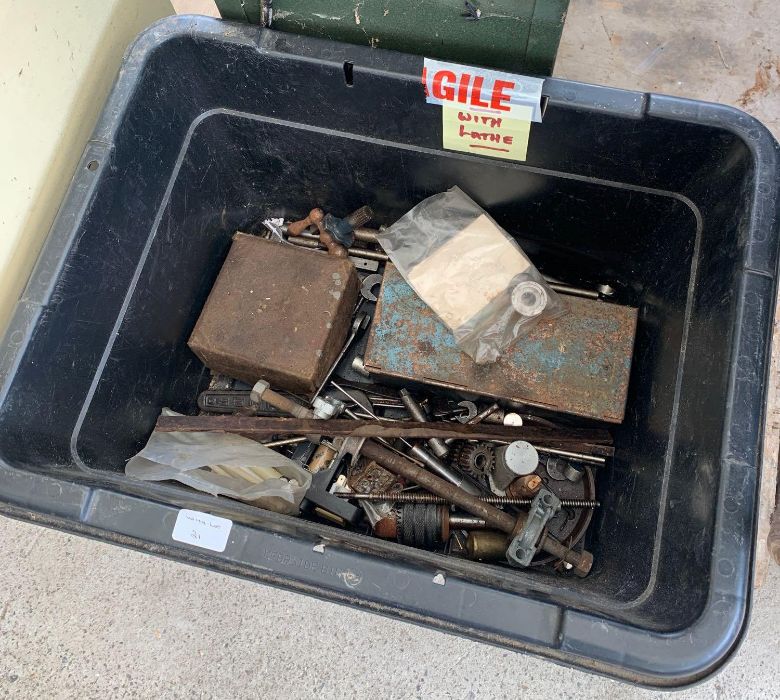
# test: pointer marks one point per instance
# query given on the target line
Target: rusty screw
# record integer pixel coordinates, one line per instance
(359, 217)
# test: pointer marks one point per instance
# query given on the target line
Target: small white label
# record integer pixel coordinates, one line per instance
(202, 530)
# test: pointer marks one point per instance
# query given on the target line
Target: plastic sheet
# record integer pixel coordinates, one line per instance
(223, 465)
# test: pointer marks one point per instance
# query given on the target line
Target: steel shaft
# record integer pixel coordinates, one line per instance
(418, 413)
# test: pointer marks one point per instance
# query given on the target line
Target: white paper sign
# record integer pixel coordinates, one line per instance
(202, 530)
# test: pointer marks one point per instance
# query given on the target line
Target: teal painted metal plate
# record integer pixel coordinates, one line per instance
(578, 363)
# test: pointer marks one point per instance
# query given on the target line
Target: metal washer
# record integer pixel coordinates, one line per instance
(529, 298)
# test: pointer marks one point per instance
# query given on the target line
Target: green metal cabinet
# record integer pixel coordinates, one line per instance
(514, 35)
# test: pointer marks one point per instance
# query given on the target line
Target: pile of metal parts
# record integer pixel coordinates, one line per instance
(485, 477)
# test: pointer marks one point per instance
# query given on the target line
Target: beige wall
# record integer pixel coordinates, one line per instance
(58, 61)
(196, 7)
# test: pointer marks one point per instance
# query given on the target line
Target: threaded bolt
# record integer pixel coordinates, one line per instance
(400, 497)
(359, 217)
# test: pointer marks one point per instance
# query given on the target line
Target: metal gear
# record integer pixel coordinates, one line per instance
(476, 458)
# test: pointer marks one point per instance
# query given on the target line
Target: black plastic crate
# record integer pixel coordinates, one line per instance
(212, 125)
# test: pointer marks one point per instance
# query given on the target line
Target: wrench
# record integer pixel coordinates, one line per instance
(471, 409)
(472, 416)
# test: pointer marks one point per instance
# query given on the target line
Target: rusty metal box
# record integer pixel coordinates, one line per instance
(578, 363)
(276, 312)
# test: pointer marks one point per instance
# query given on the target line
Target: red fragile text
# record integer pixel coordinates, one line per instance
(479, 130)
(467, 89)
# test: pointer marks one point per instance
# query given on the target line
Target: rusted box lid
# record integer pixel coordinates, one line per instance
(579, 363)
(276, 312)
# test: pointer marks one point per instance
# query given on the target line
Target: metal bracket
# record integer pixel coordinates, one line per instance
(367, 288)
(525, 544)
(471, 411)
(351, 446)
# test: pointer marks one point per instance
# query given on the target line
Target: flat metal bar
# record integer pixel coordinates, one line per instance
(413, 430)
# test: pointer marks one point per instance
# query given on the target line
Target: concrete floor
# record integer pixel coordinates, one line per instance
(80, 618)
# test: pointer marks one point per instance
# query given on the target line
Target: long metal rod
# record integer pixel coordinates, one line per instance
(581, 456)
(312, 240)
(286, 441)
(592, 459)
(351, 397)
(477, 419)
(314, 244)
(405, 497)
(257, 426)
(572, 291)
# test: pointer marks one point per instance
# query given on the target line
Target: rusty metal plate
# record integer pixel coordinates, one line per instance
(578, 363)
(276, 312)
(369, 477)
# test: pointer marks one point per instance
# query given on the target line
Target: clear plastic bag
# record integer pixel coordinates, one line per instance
(475, 277)
(223, 465)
